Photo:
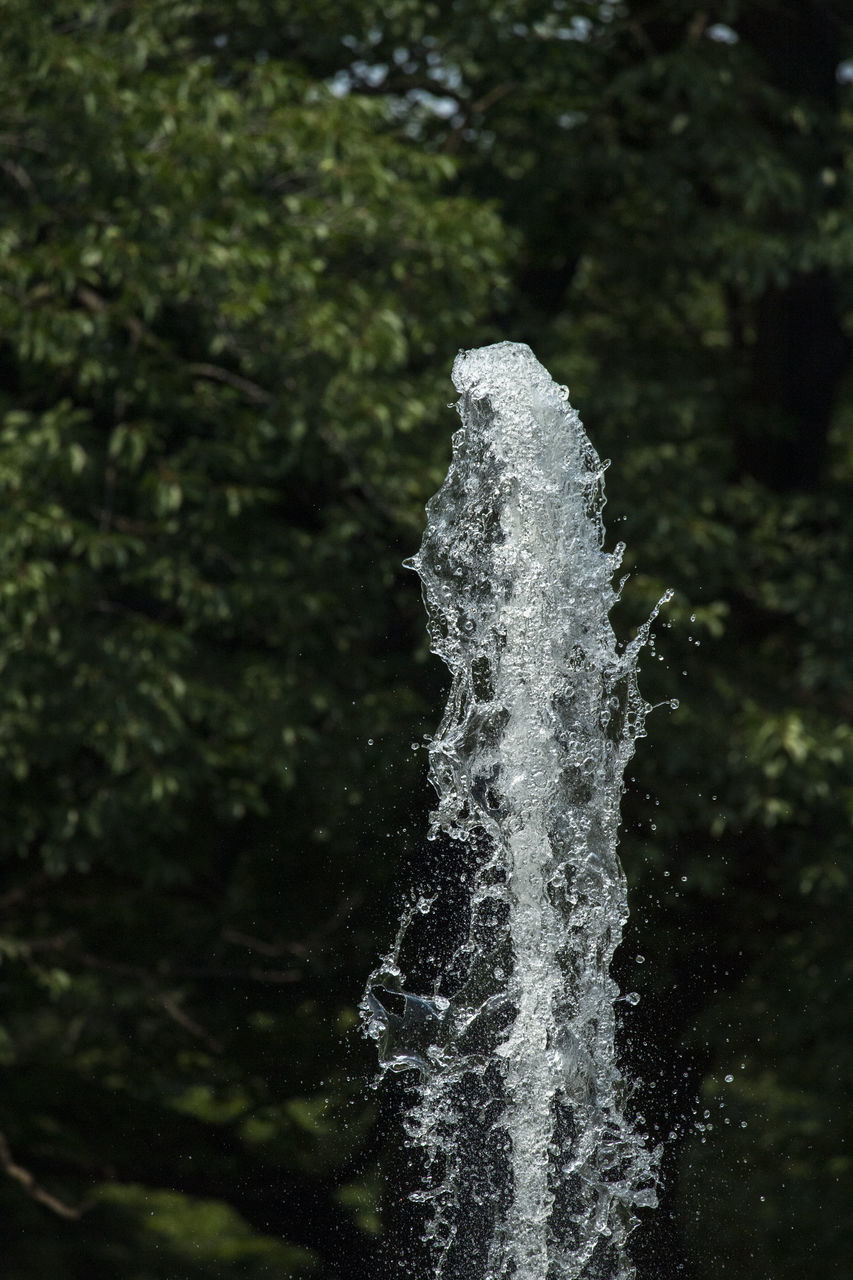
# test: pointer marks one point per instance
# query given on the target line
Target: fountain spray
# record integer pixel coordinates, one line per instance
(533, 1169)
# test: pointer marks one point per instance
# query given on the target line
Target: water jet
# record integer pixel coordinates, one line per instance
(533, 1168)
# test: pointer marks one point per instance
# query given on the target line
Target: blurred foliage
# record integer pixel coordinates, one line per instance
(240, 245)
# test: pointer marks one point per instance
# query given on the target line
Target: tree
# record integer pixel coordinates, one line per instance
(230, 297)
(220, 294)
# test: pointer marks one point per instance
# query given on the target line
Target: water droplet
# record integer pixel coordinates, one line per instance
(633, 997)
(640, 959)
(414, 745)
(728, 1079)
(684, 879)
(370, 742)
(673, 702)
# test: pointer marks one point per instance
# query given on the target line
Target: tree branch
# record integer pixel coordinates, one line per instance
(33, 1189)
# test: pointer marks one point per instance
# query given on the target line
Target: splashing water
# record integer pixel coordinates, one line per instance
(533, 1170)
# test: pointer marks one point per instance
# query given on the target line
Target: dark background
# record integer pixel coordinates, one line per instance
(240, 244)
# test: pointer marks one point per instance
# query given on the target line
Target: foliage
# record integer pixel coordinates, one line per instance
(240, 246)
(219, 302)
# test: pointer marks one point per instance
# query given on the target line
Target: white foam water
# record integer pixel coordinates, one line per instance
(533, 1170)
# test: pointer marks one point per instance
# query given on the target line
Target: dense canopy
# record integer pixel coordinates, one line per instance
(240, 245)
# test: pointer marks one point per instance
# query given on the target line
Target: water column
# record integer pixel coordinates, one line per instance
(533, 1170)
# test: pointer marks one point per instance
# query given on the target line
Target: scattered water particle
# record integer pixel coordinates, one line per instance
(729, 1079)
(641, 959)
